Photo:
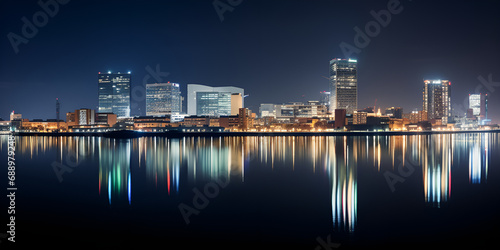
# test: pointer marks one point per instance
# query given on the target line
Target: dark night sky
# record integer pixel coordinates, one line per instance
(278, 51)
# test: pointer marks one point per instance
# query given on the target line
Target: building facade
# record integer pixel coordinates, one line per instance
(343, 85)
(114, 93)
(437, 100)
(210, 98)
(479, 105)
(213, 104)
(236, 103)
(394, 112)
(163, 99)
(300, 110)
(14, 116)
(267, 110)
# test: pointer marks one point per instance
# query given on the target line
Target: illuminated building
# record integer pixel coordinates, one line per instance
(236, 103)
(300, 110)
(267, 110)
(146, 123)
(196, 121)
(38, 125)
(343, 85)
(14, 116)
(71, 118)
(229, 122)
(81, 117)
(479, 105)
(87, 118)
(106, 119)
(114, 93)
(245, 119)
(394, 112)
(359, 117)
(163, 99)
(415, 116)
(212, 101)
(437, 100)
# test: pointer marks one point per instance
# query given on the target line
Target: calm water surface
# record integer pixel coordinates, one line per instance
(285, 192)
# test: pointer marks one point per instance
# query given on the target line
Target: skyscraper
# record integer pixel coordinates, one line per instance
(437, 99)
(213, 101)
(163, 99)
(343, 85)
(114, 93)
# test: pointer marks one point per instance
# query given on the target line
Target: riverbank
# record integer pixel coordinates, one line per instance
(176, 134)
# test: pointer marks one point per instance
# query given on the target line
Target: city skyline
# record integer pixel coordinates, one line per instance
(277, 74)
(290, 124)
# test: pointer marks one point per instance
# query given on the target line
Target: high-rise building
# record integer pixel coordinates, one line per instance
(437, 99)
(343, 85)
(479, 106)
(236, 103)
(211, 101)
(114, 93)
(163, 99)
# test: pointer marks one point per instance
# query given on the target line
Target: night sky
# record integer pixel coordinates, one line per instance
(278, 51)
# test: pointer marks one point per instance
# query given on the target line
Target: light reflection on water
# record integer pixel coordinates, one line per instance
(169, 162)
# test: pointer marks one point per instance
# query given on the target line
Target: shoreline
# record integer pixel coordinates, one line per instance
(175, 134)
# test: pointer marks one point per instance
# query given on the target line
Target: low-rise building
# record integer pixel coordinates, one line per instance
(196, 121)
(147, 122)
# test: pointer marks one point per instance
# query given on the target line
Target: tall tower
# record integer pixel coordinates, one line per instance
(114, 93)
(437, 99)
(343, 85)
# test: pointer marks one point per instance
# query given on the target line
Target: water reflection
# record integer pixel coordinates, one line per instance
(166, 163)
(342, 167)
(479, 156)
(437, 169)
(114, 169)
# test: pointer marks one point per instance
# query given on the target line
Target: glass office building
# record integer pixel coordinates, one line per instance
(343, 85)
(437, 99)
(212, 101)
(114, 93)
(163, 99)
